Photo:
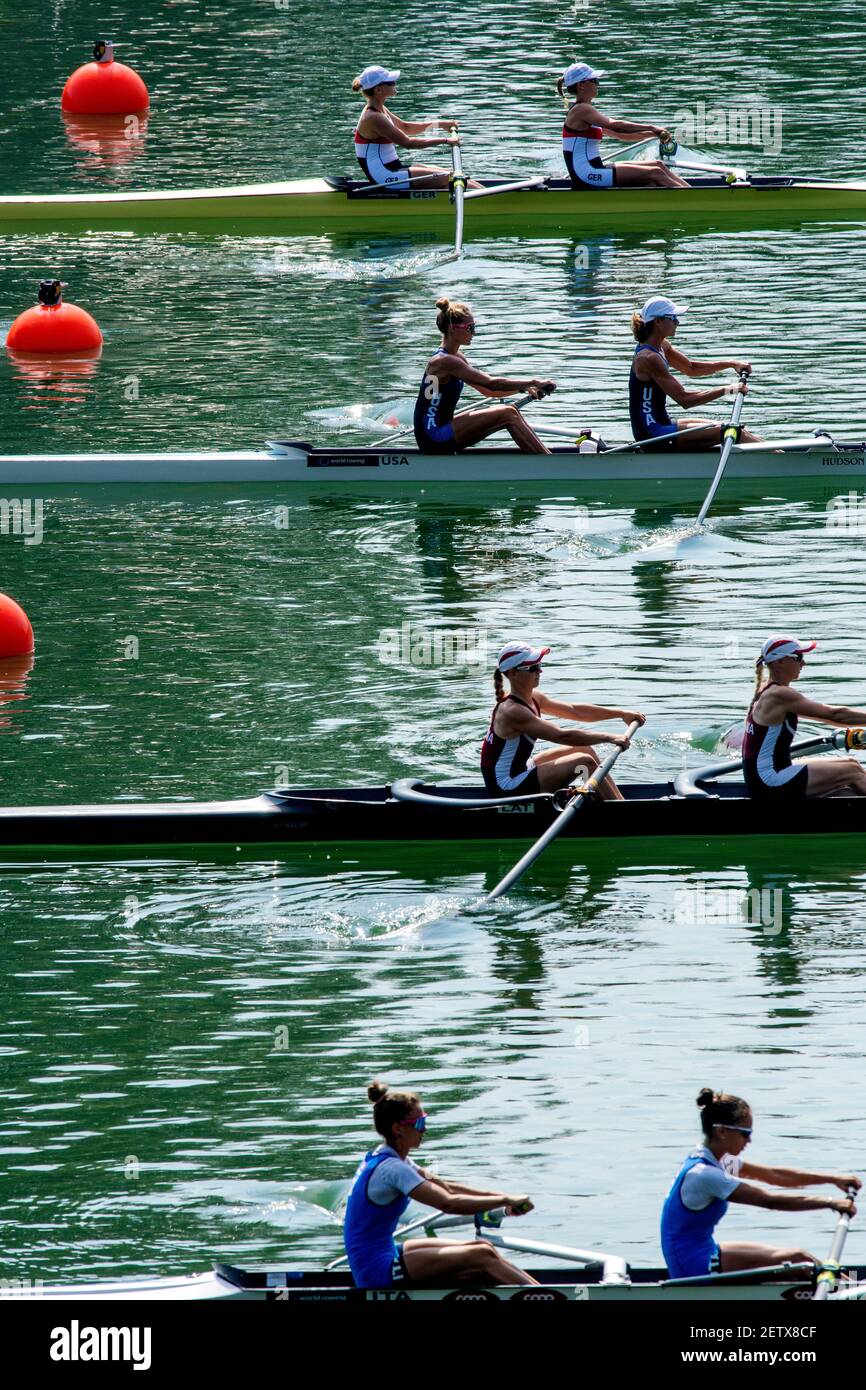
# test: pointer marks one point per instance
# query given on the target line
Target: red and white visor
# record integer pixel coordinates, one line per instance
(776, 647)
(515, 654)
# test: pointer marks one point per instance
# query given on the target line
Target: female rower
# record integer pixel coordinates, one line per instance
(436, 429)
(517, 722)
(383, 1184)
(651, 381)
(712, 1176)
(378, 132)
(585, 127)
(772, 722)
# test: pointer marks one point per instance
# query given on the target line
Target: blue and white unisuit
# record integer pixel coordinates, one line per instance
(369, 1225)
(434, 411)
(687, 1238)
(647, 402)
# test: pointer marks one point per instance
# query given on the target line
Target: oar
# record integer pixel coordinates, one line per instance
(686, 783)
(731, 434)
(457, 189)
(829, 1275)
(518, 404)
(586, 786)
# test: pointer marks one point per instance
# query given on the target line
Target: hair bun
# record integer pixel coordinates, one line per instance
(356, 85)
(705, 1098)
(443, 302)
(376, 1090)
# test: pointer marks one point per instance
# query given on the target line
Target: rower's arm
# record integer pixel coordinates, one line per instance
(433, 1194)
(414, 127)
(797, 1177)
(453, 364)
(792, 701)
(525, 723)
(592, 714)
(689, 367)
(783, 1201)
(675, 389)
(584, 114)
(385, 128)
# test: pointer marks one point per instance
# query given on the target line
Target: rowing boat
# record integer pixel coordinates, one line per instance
(340, 203)
(334, 466)
(410, 811)
(224, 1281)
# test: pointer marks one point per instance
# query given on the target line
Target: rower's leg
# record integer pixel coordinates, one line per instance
(444, 1262)
(828, 775)
(749, 1254)
(476, 425)
(708, 438)
(556, 769)
(634, 175)
(431, 176)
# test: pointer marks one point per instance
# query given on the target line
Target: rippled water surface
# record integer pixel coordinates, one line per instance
(185, 1039)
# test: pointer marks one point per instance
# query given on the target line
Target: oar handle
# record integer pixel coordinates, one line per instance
(828, 1276)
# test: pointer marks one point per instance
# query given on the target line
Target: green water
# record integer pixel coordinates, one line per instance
(185, 1042)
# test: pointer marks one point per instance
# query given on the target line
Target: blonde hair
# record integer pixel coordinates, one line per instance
(762, 677)
(451, 311)
(639, 328)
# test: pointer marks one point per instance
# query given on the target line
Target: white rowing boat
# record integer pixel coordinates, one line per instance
(604, 1278)
(335, 466)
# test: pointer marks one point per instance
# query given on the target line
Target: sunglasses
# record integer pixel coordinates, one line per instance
(420, 1123)
(738, 1129)
(533, 669)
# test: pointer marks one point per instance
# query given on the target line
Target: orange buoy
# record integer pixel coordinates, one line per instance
(16, 634)
(52, 326)
(104, 87)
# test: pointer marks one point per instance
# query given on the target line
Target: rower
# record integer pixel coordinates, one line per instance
(651, 381)
(382, 1187)
(712, 1176)
(585, 127)
(378, 132)
(507, 760)
(772, 722)
(436, 429)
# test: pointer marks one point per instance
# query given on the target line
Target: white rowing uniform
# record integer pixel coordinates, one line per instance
(582, 154)
(380, 163)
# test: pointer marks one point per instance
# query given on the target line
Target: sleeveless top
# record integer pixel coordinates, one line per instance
(687, 1236)
(378, 160)
(506, 759)
(767, 751)
(646, 400)
(580, 150)
(435, 405)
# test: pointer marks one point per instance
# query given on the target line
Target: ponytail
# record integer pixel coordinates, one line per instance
(640, 329)
(498, 685)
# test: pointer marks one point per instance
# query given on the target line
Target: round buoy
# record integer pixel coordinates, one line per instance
(104, 87)
(16, 634)
(52, 326)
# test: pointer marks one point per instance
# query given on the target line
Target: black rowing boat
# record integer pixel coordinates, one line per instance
(383, 814)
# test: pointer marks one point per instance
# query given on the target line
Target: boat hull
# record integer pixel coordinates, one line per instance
(398, 467)
(323, 204)
(296, 1286)
(358, 815)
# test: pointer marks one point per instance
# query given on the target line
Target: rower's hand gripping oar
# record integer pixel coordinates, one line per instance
(582, 790)
(732, 434)
(457, 190)
(828, 1276)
